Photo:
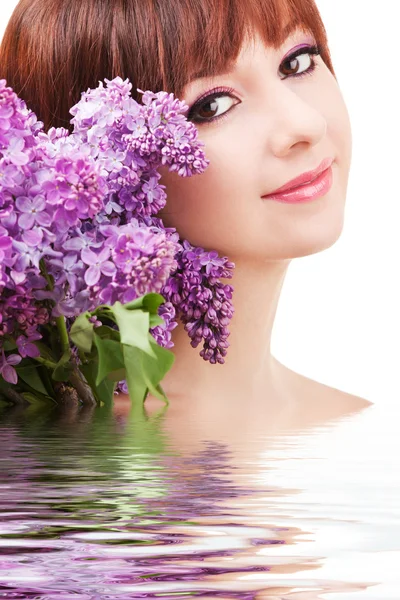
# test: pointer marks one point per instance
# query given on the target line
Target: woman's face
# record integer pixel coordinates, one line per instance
(274, 127)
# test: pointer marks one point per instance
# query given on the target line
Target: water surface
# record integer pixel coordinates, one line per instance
(94, 506)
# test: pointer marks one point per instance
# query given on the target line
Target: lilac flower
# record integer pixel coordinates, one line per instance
(73, 306)
(152, 190)
(56, 190)
(26, 256)
(33, 211)
(7, 370)
(78, 225)
(5, 243)
(70, 269)
(84, 198)
(113, 206)
(32, 237)
(95, 321)
(80, 239)
(138, 128)
(10, 176)
(122, 387)
(143, 258)
(162, 333)
(5, 113)
(112, 160)
(26, 347)
(14, 152)
(98, 264)
(203, 303)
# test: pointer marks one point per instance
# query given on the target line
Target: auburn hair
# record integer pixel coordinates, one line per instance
(53, 50)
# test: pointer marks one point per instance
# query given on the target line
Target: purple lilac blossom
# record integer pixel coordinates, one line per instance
(162, 333)
(202, 301)
(7, 370)
(78, 225)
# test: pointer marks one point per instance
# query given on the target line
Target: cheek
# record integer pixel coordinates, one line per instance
(339, 127)
(340, 134)
(346, 135)
(222, 209)
(329, 102)
(208, 209)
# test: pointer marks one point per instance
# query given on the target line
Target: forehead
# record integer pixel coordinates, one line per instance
(290, 30)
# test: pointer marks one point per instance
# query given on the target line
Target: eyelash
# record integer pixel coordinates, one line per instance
(220, 92)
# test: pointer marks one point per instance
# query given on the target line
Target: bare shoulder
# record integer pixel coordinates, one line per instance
(323, 401)
(346, 401)
(333, 402)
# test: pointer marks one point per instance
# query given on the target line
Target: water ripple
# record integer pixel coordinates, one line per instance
(96, 511)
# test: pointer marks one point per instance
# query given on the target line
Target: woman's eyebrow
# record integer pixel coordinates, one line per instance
(207, 72)
(212, 73)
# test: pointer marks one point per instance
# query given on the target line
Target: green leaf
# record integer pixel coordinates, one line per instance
(104, 392)
(45, 352)
(30, 375)
(133, 327)
(149, 302)
(117, 375)
(146, 373)
(64, 367)
(110, 357)
(135, 304)
(33, 398)
(137, 386)
(81, 332)
(45, 376)
(4, 385)
(9, 345)
(155, 320)
(106, 332)
(152, 302)
(157, 369)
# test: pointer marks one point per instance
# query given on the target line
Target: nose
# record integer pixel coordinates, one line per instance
(296, 122)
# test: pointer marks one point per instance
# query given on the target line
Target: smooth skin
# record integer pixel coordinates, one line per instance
(279, 127)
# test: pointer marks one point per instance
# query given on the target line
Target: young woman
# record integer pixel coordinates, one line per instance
(260, 85)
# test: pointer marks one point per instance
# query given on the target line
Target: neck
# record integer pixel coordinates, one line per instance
(249, 367)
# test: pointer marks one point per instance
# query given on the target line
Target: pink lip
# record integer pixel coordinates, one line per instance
(305, 193)
(307, 177)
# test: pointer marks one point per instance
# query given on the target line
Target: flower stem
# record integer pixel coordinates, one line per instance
(76, 378)
(46, 363)
(45, 274)
(85, 392)
(14, 397)
(62, 330)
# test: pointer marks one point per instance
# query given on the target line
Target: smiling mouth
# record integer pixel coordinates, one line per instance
(307, 192)
(304, 179)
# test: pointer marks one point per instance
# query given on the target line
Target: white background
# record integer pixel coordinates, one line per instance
(338, 318)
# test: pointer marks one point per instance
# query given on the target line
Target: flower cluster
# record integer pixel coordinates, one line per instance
(78, 225)
(203, 302)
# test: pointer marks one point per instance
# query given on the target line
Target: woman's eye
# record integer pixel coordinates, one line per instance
(212, 107)
(301, 63)
(217, 104)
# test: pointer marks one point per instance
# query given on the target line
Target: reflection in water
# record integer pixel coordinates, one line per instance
(94, 507)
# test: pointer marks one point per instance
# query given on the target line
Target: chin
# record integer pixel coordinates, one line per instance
(309, 237)
(319, 238)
